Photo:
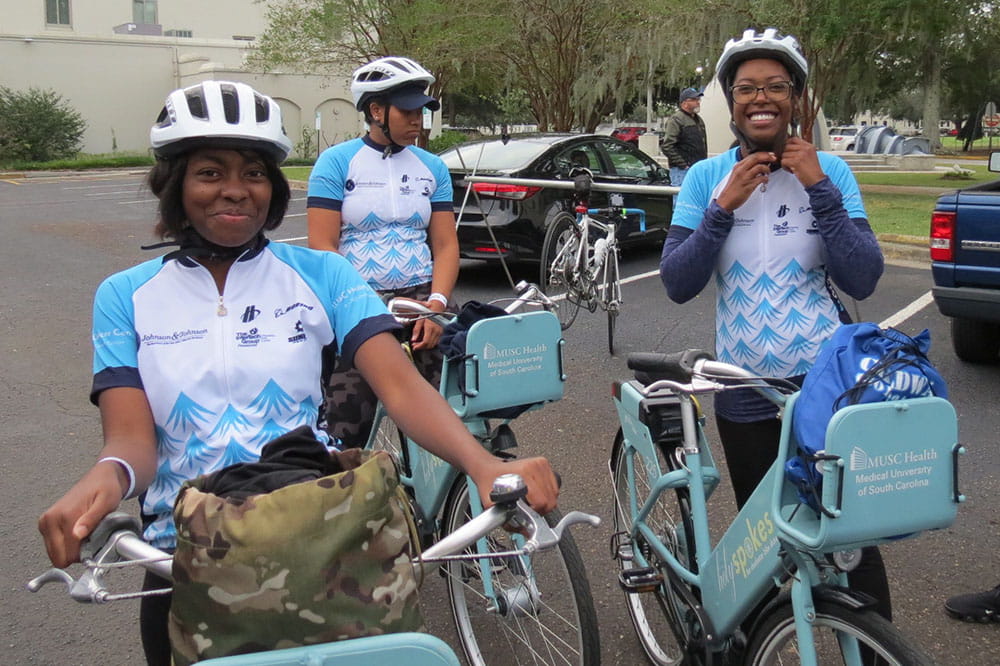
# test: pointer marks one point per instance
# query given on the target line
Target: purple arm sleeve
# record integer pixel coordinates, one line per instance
(688, 257)
(853, 257)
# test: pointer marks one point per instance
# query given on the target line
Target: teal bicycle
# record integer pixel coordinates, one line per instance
(115, 544)
(889, 471)
(537, 604)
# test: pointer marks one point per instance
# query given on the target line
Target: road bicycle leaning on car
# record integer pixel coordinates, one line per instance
(116, 544)
(539, 603)
(889, 470)
(580, 257)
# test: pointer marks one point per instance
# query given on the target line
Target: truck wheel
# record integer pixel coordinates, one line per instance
(975, 341)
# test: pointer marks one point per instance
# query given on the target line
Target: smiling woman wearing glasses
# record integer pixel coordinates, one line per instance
(778, 224)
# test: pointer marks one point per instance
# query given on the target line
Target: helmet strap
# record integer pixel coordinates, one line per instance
(194, 245)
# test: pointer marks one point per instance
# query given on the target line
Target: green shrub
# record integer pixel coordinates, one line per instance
(446, 140)
(37, 126)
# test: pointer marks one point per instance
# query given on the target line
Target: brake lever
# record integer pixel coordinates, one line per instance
(542, 536)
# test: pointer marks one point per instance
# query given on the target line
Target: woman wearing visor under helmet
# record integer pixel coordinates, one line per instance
(778, 224)
(186, 346)
(386, 205)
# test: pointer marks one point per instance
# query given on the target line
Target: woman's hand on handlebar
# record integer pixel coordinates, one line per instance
(426, 333)
(75, 515)
(543, 488)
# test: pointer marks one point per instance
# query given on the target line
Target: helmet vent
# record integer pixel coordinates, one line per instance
(196, 104)
(371, 76)
(261, 109)
(230, 103)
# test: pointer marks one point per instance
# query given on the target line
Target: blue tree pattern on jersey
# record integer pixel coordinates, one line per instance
(396, 276)
(793, 320)
(272, 399)
(230, 421)
(392, 235)
(801, 368)
(799, 345)
(371, 248)
(743, 351)
(738, 273)
(392, 255)
(369, 222)
(771, 364)
(814, 300)
(414, 265)
(269, 431)
(186, 414)
(740, 299)
(370, 267)
(165, 485)
(823, 325)
(741, 326)
(197, 453)
(308, 411)
(168, 446)
(792, 295)
(723, 334)
(767, 337)
(765, 312)
(236, 453)
(765, 286)
(723, 309)
(792, 272)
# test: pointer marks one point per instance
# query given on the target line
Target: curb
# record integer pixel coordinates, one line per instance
(912, 249)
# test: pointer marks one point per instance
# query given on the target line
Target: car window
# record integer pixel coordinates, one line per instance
(493, 155)
(627, 162)
(584, 155)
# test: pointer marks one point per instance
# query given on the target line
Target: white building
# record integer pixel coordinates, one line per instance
(114, 61)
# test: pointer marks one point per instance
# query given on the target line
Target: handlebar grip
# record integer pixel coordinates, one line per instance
(677, 366)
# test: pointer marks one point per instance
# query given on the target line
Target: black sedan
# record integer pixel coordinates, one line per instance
(518, 215)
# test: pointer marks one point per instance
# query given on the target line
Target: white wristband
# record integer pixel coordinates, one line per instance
(129, 472)
(439, 297)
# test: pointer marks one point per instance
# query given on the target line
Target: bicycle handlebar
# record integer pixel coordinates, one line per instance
(116, 543)
(696, 371)
(407, 309)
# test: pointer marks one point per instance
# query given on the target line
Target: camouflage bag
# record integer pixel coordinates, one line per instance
(312, 562)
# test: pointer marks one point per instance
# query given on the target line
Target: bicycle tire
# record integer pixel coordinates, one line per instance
(386, 436)
(612, 291)
(558, 627)
(774, 641)
(658, 617)
(561, 239)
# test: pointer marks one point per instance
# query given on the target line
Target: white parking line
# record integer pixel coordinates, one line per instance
(132, 191)
(92, 187)
(907, 312)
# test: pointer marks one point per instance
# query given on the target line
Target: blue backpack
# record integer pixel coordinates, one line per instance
(860, 363)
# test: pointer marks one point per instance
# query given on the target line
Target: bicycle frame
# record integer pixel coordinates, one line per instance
(763, 545)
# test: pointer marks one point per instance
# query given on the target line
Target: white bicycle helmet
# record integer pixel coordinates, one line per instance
(769, 44)
(219, 112)
(384, 74)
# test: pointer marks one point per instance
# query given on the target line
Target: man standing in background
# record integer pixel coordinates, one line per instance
(684, 140)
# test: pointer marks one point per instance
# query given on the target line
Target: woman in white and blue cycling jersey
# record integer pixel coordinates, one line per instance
(386, 205)
(204, 355)
(777, 224)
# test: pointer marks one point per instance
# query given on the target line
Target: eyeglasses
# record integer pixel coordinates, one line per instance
(778, 91)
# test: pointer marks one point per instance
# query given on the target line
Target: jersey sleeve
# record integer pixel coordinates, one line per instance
(326, 181)
(840, 175)
(114, 337)
(696, 190)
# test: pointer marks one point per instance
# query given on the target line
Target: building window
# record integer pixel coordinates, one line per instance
(144, 11)
(178, 33)
(57, 12)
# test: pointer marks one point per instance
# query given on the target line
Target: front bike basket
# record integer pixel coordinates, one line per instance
(511, 363)
(890, 470)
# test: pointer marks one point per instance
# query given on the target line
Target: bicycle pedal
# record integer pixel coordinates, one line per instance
(639, 580)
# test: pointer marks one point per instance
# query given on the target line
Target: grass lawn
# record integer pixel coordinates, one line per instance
(297, 173)
(927, 179)
(904, 214)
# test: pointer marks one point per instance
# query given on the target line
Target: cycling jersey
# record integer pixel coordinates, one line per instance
(773, 306)
(226, 374)
(385, 206)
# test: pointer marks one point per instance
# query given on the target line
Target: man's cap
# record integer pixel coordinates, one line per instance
(690, 93)
(412, 97)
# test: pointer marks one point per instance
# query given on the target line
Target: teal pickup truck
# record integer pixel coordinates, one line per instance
(965, 262)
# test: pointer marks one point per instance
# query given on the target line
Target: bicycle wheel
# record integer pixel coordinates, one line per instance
(660, 619)
(386, 436)
(774, 642)
(612, 294)
(558, 270)
(543, 612)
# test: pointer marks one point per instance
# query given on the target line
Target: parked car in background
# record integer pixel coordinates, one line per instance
(965, 265)
(518, 215)
(842, 138)
(628, 134)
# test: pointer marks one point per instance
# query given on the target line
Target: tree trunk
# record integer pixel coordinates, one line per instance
(931, 85)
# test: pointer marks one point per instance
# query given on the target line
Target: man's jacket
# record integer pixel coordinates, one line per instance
(684, 141)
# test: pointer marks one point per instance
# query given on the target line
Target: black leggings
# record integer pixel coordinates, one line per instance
(153, 614)
(750, 451)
